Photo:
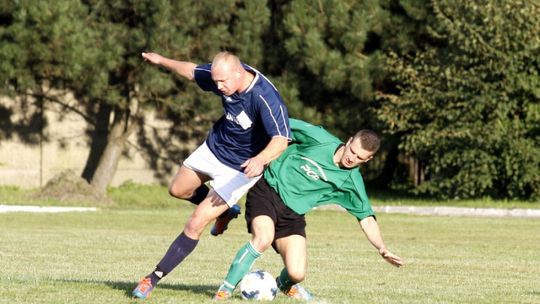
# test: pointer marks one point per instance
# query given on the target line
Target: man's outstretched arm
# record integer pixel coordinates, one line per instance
(183, 68)
(373, 233)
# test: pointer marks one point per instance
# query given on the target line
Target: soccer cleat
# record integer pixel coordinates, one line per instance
(295, 292)
(144, 289)
(222, 222)
(222, 295)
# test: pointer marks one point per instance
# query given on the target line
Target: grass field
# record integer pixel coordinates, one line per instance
(97, 257)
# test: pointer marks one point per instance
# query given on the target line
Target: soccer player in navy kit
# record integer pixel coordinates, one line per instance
(253, 131)
(316, 169)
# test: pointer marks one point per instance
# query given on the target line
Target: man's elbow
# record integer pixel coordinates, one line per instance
(282, 144)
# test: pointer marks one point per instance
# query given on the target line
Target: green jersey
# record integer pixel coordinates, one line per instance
(305, 175)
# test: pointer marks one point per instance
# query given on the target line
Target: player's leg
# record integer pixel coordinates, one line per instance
(189, 185)
(263, 234)
(198, 168)
(260, 218)
(231, 185)
(294, 254)
(208, 210)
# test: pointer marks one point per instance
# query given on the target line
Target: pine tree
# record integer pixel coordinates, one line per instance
(93, 50)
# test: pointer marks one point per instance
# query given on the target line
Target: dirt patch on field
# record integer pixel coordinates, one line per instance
(69, 187)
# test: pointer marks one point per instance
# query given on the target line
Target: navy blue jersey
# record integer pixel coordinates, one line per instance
(250, 120)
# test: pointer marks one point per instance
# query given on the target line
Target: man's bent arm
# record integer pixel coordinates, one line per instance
(255, 165)
(182, 68)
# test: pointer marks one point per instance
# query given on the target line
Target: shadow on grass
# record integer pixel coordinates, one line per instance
(127, 287)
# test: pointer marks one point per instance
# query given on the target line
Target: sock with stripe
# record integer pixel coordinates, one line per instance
(244, 259)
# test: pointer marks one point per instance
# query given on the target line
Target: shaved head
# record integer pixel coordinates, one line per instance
(229, 74)
(226, 59)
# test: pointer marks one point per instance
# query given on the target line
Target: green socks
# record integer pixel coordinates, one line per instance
(244, 259)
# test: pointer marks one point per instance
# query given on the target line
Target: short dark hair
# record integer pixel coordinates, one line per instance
(369, 140)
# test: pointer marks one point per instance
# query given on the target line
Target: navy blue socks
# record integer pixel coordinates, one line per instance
(178, 251)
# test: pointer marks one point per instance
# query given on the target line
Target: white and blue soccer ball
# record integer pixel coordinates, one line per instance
(258, 285)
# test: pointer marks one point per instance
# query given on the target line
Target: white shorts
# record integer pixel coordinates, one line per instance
(227, 182)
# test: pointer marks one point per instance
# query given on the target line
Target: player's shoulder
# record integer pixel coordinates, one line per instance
(262, 84)
(316, 130)
(266, 96)
(205, 67)
(301, 124)
(203, 72)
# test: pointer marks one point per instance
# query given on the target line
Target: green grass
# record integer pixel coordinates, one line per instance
(98, 257)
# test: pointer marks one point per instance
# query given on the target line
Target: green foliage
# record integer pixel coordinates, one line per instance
(93, 50)
(328, 55)
(40, 43)
(468, 105)
(466, 102)
(326, 58)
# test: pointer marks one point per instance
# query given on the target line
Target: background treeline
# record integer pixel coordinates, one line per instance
(453, 86)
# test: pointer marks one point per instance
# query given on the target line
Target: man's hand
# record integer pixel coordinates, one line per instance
(153, 58)
(390, 257)
(253, 166)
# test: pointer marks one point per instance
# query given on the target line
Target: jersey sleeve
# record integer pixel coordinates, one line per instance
(353, 197)
(306, 133)
(203, 77)
(275, 116)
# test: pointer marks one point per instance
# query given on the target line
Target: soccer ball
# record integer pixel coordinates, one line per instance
(258, 285)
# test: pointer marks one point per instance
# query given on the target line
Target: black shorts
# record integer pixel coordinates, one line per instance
(263, 200)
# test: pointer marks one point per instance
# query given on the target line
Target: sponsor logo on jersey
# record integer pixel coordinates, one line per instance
(241, 119)
(316, 173)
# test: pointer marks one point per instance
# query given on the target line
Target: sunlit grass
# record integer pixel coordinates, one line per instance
(97, 257)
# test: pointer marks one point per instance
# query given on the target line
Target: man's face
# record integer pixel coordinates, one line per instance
(226, 78)
(354, 155)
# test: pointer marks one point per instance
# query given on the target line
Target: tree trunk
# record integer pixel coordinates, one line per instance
(98, 141)
(108, 162)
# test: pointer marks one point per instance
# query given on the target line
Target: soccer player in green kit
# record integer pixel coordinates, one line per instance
(316, 169)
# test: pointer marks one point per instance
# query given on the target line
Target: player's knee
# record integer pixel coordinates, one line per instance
(297, 274)
(195, 225)
(179, 193)
(262, 242)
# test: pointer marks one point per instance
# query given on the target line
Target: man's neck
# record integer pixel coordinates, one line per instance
(338, 154)
(247, 78)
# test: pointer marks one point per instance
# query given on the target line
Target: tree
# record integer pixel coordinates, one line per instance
(188, 30)
(468, 105)
(92, 49)
(38, 58)
(327, 46)
(328, 55)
